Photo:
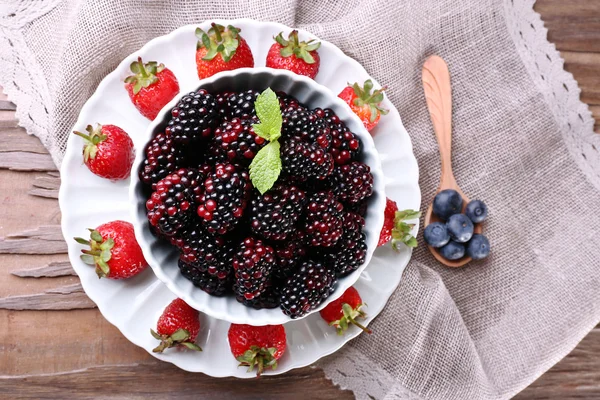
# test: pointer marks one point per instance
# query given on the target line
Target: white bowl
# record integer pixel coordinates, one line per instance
(162, 256)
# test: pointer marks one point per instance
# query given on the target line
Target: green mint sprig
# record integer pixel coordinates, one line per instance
(401, 233)
(266, 165)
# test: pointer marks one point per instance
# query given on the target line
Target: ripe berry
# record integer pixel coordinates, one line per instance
(345, 145)
(253, 264)
(108, 151)
(436, 234)
(194, 117)
(305, 125)
(172, 203)
(113, 250)
(206, 260)
(257, 346)
(446, 203)
(178, 325)
(162, 158)
(460, 228)
(235, 142)
(289, 103)
(352, 182)
(389, 216)
(288, 256)
(364, 103)
(477, 211)
(299, 57)
(308, 287)
(344, 311)
(241, 105)
(452, 250)
(348, 254)
(226, 191)
(324, 219)
(226, 50)
(305, 161)
(275, 213)
(478, 247)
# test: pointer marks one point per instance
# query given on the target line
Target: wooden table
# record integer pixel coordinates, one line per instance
(72, 351)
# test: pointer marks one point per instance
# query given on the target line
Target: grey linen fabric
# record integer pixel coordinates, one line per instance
(523, 142)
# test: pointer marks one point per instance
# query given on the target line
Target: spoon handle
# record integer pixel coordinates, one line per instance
(438, 93)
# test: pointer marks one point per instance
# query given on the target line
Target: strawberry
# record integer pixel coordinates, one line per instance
(344, 311)
(364, 103)
(259, 346)
(108, 151)
(395, 227)
(177, 326)
(150, 87)
(114, 251)
(388, 222)
(221, 50)
(301, 58)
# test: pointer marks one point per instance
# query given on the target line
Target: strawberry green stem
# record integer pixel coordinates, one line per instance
(217, 32)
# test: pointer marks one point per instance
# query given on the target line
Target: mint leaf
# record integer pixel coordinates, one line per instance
(269, 113)
(266, 167)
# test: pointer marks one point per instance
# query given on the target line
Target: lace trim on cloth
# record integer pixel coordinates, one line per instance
(546, 68)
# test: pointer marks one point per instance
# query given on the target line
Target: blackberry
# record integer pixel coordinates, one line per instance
(211, 284)
(324, 219)
(305, 125)
(348, 254)
(226, 191)
(253, 265)
(194, 117)
(308, 287)
(171, 205)
(353, 221)
(352, 182)
(289, 103)
(359, 208)
(345, 145)
(288, 256)
(268, 299)
(236, 142)
(222, 106)
(305, 161)
(162, 158)
(241, 105)
(275, 213)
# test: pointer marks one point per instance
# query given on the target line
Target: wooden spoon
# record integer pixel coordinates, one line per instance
(438, 93)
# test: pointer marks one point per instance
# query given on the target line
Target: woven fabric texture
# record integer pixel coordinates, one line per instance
(523, 142)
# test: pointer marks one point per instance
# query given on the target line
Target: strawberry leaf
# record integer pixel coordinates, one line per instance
(401, 233)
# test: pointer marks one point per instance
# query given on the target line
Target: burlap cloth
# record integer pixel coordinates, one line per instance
(523, 142)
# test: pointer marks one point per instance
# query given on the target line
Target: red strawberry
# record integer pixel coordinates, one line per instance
(114, 251)
(259, 346)
(178, 325)
(150, 87)
(364, 103)
(388, 222)
(301, 58)
(221, 50)
(344, 311)
(108, 151)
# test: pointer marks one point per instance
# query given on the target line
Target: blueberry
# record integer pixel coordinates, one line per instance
(476, 210)
(446, 203)
(478, 247)
(452, 251)
(460, 228)
(436, 234)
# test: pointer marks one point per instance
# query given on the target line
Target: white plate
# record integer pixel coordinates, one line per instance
(134, 305)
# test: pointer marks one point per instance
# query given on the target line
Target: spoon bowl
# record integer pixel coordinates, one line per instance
(438, 93)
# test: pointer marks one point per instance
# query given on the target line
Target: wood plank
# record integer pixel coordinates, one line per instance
(24, 161)
(43, 240)
(50, 270)
(585, 67)
(46, 186)
(6, 105)
(13, 140)
(69, 297)
(573, 25)
(150, 383)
